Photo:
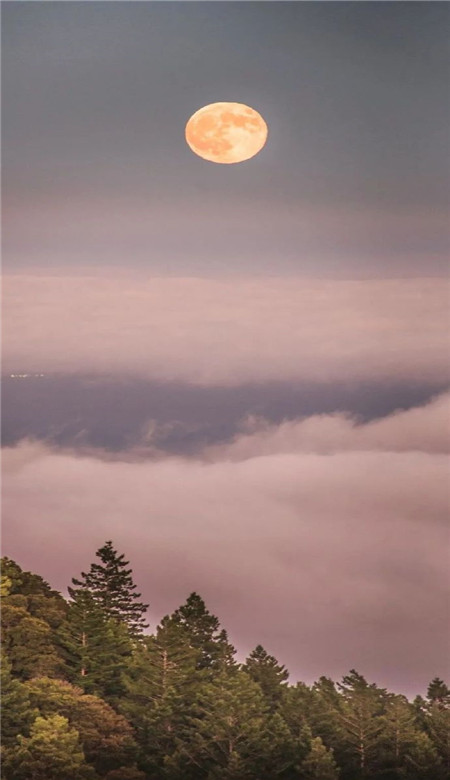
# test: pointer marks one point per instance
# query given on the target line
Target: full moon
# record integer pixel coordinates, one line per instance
(226, 132)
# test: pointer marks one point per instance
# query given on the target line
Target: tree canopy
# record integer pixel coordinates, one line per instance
(88, 694)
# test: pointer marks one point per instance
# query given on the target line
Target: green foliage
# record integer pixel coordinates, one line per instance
(161, 680)
(204, 633)
(324, 712)
(31, 592)
(422, 761)
(229, 733)
(438, 693)
(399, 740)
(94, 646)
(111, 586)
(31, 611)
(17, 713)
(29, 643)
(51, 752)
(265, 670)
(438, 729)
(319, 764)
(361, 721)
(87, 696)
(106, 737)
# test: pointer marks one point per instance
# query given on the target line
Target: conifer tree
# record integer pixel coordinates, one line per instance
(398, 738)
(438, 693)
(422, 761)
(361, 721)
(204, 633)
(229, 733)
(111, 586)
(268, 673)
(323, 709)
(161, 679)
(161, 662)
(438, 729)
(94, 646)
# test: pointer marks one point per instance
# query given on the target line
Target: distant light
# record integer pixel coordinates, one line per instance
(24, 376)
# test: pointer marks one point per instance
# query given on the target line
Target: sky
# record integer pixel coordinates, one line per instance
(238, 373)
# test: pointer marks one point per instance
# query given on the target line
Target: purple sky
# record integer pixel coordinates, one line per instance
(245, 367)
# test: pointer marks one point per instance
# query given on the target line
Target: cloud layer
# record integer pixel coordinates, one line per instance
(227, 332)
(333, 556)
(424, 429)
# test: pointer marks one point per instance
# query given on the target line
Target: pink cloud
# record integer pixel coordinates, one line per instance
(423, 429)
(227, 332)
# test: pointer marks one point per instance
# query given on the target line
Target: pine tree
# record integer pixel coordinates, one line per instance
(361, 721)
(438, 729)
(398, 738)
(161, 662)
(111, 585)
(265, 670)
(229, 733)
(204, 633)
(324, 711)
(94, 646)
(422, 761)
(438, 693)
(160, 679)
(51, 752)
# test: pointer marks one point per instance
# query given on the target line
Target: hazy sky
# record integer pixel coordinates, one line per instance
(353, 180)
(245, 366)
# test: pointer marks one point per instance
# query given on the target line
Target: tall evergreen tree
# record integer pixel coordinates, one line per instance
(437, 726)
(400, 747)
(229, 733)
(111, 585)
(161, 680)
(94, 646)
(361, 721)
(268, 673)
(324, 715)
(438, 693)
(422, 761)
(204, 633)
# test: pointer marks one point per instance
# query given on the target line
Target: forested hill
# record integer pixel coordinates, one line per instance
(88, 695)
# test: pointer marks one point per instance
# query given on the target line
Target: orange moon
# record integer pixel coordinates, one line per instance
(226, 132)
